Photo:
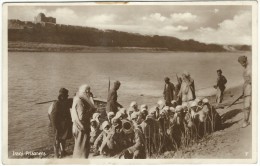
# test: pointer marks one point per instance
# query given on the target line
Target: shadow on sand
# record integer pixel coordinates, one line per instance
(228, 124)
(230, 114)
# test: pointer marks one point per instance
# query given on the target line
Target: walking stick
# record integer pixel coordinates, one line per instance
(235, 101)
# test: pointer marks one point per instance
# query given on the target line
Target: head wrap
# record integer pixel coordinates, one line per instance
(242, 59)
(117, 83)
(198, 100)
(104, 125)
(111, 114)
(187, 74)
(205, 100)
(116, 122)
(95, 116)
(178, 108)
(83, 88)
(172, 109)
(119, 114)
(134, 115)
(123, 110)
(173, 102)
(161, 104)
(63, 91)
(133, 103)
(144, 106)
(219, 70)
(166, 79)
(194, 104)
(152, 111)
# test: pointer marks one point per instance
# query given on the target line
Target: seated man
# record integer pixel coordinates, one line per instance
(94, 131)
(111, 139)
(137, 149)
(102, 136)
(214, 120)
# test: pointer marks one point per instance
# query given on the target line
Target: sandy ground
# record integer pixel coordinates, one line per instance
(232, 142)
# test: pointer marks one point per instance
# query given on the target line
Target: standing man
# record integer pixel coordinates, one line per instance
(112, 104)
(168, 92)
(61, 122)
(187, 91)
(220, 86)
(81, 113)
(247, 88)
(177, 90)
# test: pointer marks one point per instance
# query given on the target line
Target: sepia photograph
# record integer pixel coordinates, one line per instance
(100, 82)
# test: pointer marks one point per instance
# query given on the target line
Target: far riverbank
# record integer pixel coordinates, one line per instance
(21, 46)
(18, 46)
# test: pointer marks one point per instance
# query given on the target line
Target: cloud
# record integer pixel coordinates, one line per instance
(65, 16)
(236, 30)
(169, 28)
(99, 20)
(158, 17)
(173, 18)
(183, 17)
(25, 15)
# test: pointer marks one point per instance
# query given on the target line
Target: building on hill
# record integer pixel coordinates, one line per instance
(41, 18)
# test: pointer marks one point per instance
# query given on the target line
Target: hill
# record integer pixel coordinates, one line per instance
(24, 31)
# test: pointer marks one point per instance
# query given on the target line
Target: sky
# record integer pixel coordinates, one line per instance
(223, 24)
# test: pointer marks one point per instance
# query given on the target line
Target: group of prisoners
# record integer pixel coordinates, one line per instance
(153, 131)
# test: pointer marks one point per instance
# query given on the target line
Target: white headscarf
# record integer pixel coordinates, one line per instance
(82, 92)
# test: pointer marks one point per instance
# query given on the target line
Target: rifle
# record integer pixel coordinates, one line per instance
(235, 101)
(178, 80)
(56, 100)
(108, 86)
(46, 102)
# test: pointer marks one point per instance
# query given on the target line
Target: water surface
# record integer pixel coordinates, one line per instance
(36, 77)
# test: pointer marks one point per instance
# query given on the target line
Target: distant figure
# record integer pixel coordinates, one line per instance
(220, 86)
(168, 92)
(112, 104)
(81, 113)
(247, 88)
(61, 122)
(187, 91)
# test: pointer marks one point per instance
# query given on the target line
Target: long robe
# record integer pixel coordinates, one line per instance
(81, 113)
(169, 93)
(112, 105)
(187, 91)
(60, 118)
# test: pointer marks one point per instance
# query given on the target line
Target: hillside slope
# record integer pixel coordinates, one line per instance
(76, 35)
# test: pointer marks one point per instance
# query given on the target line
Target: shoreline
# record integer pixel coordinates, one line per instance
(47, 151)
(20, 46)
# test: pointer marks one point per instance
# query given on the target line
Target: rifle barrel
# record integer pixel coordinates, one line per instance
(46, 102)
